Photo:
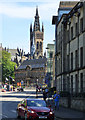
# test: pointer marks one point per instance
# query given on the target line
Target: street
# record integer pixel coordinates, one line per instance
(10, 101)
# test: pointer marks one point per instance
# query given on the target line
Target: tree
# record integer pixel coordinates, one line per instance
(7, 66)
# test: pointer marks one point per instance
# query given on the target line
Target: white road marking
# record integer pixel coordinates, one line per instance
(13, 111)
(3, 115)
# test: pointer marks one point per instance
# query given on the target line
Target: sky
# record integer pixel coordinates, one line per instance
(16, 17)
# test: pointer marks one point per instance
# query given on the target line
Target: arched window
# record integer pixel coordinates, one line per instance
(37, 45)
(41, 45)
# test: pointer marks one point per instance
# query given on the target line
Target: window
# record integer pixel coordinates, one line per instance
(76, 58)
(81, 25)
(41, 45)
(76, 29)
(71, 32)
(68, 84)
(71, 83)
(37, 45)
(67, 62)
(37, 53)
(81, 82)
(68, 35)
(76, 83)
(51, 55)
(81, 57)
(71, 61)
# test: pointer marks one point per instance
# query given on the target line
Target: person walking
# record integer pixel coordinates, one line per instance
(56, 99)
(44, 95)
(36, 91)
(46, 91)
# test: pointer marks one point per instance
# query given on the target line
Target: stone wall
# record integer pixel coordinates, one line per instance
(76, 103)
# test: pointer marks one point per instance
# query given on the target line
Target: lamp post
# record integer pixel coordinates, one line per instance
(50, 62)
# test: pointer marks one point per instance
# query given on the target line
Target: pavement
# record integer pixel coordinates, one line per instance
(66, 113)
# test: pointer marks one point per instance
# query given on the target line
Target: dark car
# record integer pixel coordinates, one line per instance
(34, 109)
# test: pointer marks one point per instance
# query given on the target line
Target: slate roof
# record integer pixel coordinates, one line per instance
(33, 63)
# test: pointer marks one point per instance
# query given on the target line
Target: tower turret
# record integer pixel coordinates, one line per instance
(31, 27)
(31, 37)
(36, 37)
(36, 23)
(42, 28)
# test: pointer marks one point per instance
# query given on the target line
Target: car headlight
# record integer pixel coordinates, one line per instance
(31, 111)
(51, 113)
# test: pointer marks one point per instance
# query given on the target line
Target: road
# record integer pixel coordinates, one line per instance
(9, 101)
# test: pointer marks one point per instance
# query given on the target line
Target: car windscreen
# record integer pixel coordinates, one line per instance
(36, 103)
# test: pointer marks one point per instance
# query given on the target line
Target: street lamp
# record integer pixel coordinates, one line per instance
(50, 61)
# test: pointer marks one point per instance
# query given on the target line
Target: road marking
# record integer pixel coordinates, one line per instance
(3, 115)
(13, 111)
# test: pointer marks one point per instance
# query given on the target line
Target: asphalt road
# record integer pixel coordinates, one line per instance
(9, 101)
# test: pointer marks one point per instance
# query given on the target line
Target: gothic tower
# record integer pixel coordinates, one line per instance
(36, 37)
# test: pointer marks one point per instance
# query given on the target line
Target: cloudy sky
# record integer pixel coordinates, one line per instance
(16, 17)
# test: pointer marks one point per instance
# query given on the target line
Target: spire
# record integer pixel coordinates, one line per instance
(36, 22)
(31, 27)
(37, 11)
(42, 28)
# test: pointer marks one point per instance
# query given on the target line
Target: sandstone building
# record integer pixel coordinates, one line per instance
(70, 56)
(33, 69)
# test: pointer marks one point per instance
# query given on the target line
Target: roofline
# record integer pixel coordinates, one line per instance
(61, 18)
(74, 10)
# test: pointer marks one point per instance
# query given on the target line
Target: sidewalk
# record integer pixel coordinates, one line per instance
(66, 113)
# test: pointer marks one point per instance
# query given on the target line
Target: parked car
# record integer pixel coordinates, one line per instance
(34, 109)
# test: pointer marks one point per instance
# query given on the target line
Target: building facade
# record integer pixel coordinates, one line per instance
(70, 51)
(30, 71)
(50, 55)
(70, 47)
(64, 8)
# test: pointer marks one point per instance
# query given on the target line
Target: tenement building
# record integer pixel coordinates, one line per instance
(33, 69)
(70, 56)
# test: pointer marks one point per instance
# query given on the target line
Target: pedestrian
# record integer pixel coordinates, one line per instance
(46, 90)
(36, 91)
(44, 95)
(56, 98)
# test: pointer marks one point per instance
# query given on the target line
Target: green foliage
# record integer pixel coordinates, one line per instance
(7, 66)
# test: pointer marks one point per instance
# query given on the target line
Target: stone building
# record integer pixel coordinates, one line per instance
(30, 71)
(33, 69)
(70, 47)
(64, 8)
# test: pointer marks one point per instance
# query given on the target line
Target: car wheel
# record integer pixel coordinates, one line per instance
(17, 115)
(25, 116)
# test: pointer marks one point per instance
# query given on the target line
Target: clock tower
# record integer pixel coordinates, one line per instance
(36, 37)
